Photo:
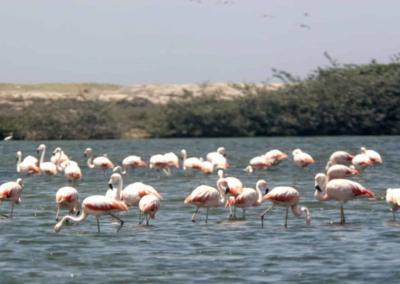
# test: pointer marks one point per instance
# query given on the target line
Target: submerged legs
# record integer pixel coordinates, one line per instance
(342, 218)
(265, 212)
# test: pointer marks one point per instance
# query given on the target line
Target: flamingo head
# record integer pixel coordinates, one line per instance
(320, 180)
(296, 151)
(183, 153)
(363, 149)
(115, 180)
(19, 181)
(41, 147)
(220, 173)
(262, 185)
(88, 152)
(221, 150)
(18, 155)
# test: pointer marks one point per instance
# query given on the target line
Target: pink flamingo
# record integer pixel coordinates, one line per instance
(59, 157)
(235, 187)
(249, 197)
(341, 190)
(341, 171)
(193, 163)
(11, 191)
(276, 156)
(45, 167)
(132, 162)
(361, 161)
(215, 155)
(96, 205)
(206, 167)
(339, 157)
(29, 165)
(207, 196)
(160, 162)
(374, 156)
(101, 162)
(393, 198)
(67, 197)
(301, 158)
(259, 162)
(285, 196)
(72, 171)
(172, 159)
(148, 206)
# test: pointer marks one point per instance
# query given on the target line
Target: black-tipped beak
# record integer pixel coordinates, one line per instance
(266, 190)
(37, 151)
(227, 190)
(110, 186)
(318, 188)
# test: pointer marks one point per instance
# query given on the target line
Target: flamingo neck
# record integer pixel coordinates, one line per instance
(298, 212)
(321, 194)
(19, 162)
(260, 195)
(221, 191)
(118, 190)
(41, 161)
(74, 219)
(90, 161)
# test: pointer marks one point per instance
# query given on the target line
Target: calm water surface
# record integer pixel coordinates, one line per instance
(173, 249)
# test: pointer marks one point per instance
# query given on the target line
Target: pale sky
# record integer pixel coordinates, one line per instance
(188, 41)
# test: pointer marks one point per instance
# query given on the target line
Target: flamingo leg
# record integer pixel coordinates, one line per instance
(234, 212)
(147, 219)
(119, 219)
(58, 213)
(194, 214)
(98, 224)
(286, 217)
(394, 209)
(140, 217)
(265, 212)
(244, 213)
(207, 214)
(342, 218)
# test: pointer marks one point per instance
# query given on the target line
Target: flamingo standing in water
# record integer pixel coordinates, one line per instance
(160, 162)
(374, 156)
(101, 162)
(341, 171)
(11, 191)
(341, 190)
(302, 159)
(259, 162)
(59, 158)
(339, 157)
(215, 155)
(361, 161)
(234, 188)
(72, 171)
(193, 163)
(67, 197)
(96, 205)
(132, 162)
(207, 196)
(275, 156)
(285, 196)
(249, 197)
(45, 167)
(29, 165)
(393, 198)
(148, 206)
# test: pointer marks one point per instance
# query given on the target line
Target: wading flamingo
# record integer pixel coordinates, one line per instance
(249, 197)
(11, 191)
(29, 165)
(285, 196)
(59, 158)
(393, 199)
(361, 161)
(339, 157)
(96, 205)
(212, 155)
(207, 196)
(160, 162)
(45, 167)
(132, 162)
(101, 162)
(172, 159)
(192, 163)
(259, 162)
(275, 156)
(67, 197)
(374, 156)
(72, 171)
(148, 206)
(234, 188)
(341, 171)
(302, 159)
(341, 190)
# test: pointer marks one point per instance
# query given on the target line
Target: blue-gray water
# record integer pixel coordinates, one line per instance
(173, 249)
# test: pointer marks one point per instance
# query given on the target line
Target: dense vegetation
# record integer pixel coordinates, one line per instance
(335, 100)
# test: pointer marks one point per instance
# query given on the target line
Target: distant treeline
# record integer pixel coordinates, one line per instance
(337, 100)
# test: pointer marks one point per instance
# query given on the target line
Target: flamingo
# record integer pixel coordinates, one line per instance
(9, 137)
(59, 158)
(212, 155)
(220, 162)
(99, 162)
(207, 196)
(301, 158)
(341, 190)
(206, 167)
(339, 157)
(235, 187)
(193, 163)
(393, 198)
(159, 162)
(249, 197)
(285, 196)
(361, 161)
(372, 155)
(276, 156)
(45, 167)
(341, 171)
(132, 162)
(96, 205)
(28, 165)
(67, 197)
(72, 171)
(148, 206)
(259, 162)
(11, 191)
(172, 159)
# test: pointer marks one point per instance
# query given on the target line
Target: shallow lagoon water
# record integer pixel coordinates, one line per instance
(173, 249)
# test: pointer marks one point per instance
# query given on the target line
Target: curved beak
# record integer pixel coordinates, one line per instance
(266, 190)
(318, 188)
(110, 186)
